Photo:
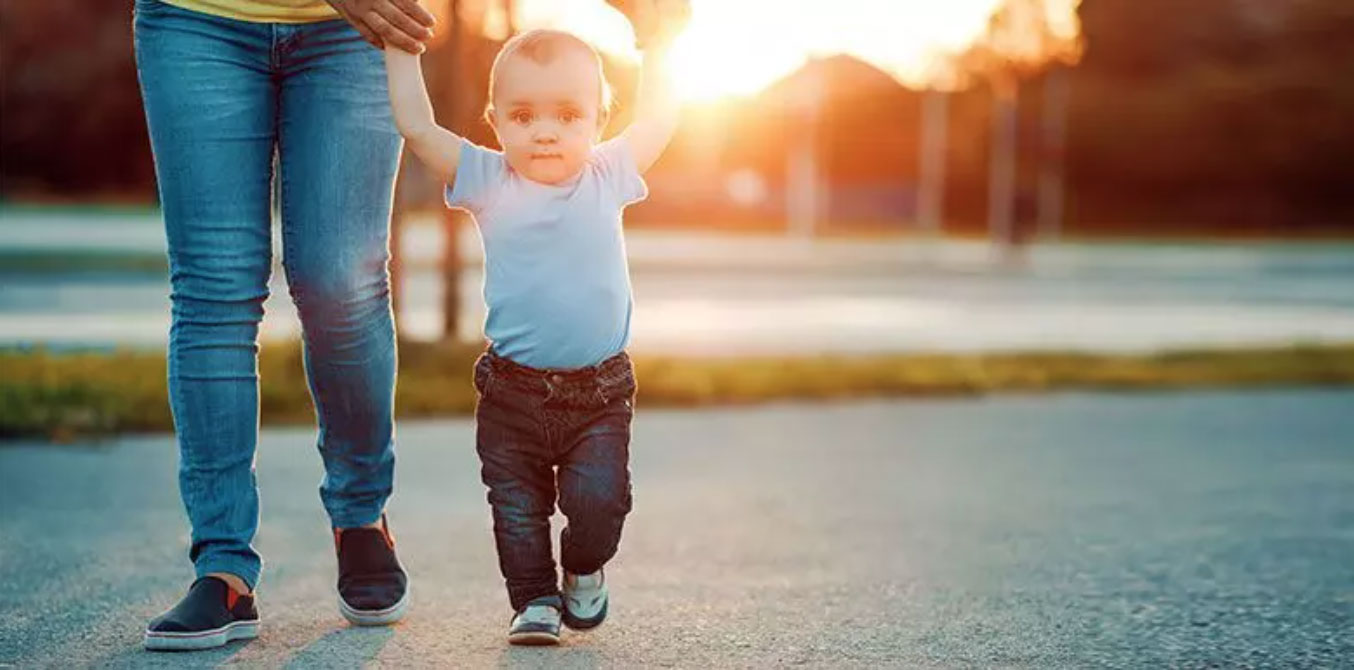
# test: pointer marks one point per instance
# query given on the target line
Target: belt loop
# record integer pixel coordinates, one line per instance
(549, 387)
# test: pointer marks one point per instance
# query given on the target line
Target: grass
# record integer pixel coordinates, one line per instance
(65, 263)
(64, 396)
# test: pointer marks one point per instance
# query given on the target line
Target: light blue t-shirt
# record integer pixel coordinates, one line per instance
(556, 281)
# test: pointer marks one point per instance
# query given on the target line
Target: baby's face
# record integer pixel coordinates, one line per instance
(547, 116)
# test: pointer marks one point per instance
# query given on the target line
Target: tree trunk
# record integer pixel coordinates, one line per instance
(450, 267)
(397, 215)
(1052, 190)
(1002, 169)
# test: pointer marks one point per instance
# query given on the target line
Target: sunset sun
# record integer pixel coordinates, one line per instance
(735, 48)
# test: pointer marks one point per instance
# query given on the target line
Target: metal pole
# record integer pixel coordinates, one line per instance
(931, 180)
(802, 183)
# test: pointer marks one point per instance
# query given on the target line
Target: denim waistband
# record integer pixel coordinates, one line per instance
(607, 369)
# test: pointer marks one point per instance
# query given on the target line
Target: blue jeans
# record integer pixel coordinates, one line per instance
(544, 435)
(222, 98)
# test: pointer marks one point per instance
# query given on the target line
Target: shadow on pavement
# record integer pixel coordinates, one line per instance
(567, 655)
(355, 645)
(136, 656)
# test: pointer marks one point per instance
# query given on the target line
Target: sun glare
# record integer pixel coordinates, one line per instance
(735, 48)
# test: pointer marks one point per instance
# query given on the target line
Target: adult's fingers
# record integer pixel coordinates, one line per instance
(403, 23)
(392, 35)
(416, 11)
(362, 28)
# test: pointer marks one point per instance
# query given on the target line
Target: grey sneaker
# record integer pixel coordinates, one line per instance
(535, 624)
(585, 600)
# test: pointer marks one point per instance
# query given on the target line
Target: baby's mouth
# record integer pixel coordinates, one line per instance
(537, 157)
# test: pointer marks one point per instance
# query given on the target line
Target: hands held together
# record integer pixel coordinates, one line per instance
(401, 23)
(408, 25)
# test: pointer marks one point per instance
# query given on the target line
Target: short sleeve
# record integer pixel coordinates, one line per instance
(616, 163)
(479, 172)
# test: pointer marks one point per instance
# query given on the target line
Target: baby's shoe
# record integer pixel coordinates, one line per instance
(537, 623)
(585, 600)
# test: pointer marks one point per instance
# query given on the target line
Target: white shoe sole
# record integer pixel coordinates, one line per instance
(533, 639)
(207, 639)
(383, 617)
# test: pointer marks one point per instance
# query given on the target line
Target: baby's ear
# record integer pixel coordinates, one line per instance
(603, 118)
(489, 116)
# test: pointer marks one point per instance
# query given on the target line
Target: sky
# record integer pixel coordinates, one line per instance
(737, 47)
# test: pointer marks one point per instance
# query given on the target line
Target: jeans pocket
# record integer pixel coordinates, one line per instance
(147, 6)
(617, 387)
(483, 376)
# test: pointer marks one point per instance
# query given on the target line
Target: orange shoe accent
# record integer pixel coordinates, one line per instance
(385, 532)
(231, 597)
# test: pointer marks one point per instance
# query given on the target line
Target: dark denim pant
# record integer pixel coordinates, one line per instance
(223, 99)
(544, 435)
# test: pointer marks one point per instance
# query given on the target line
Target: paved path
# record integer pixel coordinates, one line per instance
(1077, 530)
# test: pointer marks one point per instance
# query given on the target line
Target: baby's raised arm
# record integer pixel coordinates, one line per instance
(437, 147)
(657, 111)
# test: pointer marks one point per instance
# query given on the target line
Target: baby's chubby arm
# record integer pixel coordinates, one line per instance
(437, 147)
(657, 111)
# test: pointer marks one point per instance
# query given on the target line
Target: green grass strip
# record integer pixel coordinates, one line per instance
(61, 396)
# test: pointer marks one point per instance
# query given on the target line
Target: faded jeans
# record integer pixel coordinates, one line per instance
(222, 99)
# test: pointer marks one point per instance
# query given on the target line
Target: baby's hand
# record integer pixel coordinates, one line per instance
(673, 15)
(655, 22)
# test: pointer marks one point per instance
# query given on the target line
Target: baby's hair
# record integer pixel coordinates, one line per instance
(542, 46)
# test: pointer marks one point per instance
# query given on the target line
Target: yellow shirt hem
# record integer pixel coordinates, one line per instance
(262, 11)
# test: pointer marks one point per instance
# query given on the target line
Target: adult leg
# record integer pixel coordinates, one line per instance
(339, 152)
(210, 106)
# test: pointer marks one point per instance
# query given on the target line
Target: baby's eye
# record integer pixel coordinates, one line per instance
(569, 117)
(523, 117)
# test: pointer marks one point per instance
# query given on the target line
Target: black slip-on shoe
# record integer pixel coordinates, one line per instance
(373, 588)
(211, 615)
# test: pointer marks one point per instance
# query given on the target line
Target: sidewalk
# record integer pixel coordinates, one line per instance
(705, 294)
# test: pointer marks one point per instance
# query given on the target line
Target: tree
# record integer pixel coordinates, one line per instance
(1023, 38)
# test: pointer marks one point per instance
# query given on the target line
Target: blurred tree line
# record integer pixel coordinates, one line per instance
(1199, 116)
(1234, 112)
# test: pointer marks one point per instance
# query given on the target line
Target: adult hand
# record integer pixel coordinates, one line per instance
(402, 23)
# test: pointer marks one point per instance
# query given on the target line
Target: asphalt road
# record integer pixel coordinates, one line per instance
(1078, 530)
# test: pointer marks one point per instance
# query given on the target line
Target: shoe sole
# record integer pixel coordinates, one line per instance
(533, 639)
(576, 623)
(382, 617)
(207, 639)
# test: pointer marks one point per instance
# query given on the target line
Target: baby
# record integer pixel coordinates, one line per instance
(555, 385)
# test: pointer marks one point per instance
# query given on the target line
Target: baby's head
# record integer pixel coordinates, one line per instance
(548, 103)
